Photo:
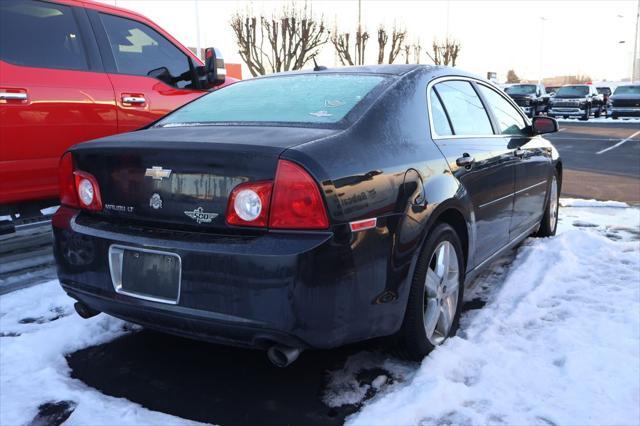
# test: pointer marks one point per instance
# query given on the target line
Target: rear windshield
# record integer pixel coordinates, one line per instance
(305, 98)
(604, 90)
(521, 89)
(572, 91)
(627, 90)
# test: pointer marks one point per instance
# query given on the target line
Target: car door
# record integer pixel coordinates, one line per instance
(53, 94)
(533, 164)
(133, 52)
(480, 160)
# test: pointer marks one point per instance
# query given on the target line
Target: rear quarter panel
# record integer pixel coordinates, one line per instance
(378, 168)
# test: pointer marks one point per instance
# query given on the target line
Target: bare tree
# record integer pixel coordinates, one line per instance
(512, 77)
(342, 43)
(279, 43)
(397, 39)
(445, 53)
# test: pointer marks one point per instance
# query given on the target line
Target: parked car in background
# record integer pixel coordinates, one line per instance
(358, 208)
(532, 98)
(74, 70)
(576, 100)
(625, 101)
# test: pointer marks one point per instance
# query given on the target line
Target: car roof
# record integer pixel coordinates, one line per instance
(389, 70)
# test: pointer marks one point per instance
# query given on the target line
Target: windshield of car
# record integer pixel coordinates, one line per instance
(521, 89)
(303, 98)
(627, 90)
(604, 90)
(577, 91)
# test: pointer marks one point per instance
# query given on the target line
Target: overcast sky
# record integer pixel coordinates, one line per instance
(575, 37)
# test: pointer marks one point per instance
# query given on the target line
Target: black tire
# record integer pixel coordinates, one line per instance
(549, 222)
(598, 112)
(614, 117)
(412, 342)
(566, 117)
(587, 114)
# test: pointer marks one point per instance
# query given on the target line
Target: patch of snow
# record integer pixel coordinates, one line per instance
(49, 210)
(38, 326)
(558, 341)
(575, 202)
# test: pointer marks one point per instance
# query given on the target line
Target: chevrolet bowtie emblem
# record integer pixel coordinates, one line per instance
(157, 173)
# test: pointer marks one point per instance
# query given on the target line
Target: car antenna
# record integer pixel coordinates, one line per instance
(318, 67)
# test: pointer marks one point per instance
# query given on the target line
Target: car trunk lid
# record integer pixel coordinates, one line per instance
(183, 177)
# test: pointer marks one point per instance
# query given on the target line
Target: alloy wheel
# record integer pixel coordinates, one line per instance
(553, 203)
(441, 293)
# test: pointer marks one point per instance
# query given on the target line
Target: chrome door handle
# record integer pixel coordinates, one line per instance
(14, 96)
(519, 152)
(465, 161)
(133, 99)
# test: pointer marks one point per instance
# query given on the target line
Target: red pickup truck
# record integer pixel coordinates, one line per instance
(74, 70)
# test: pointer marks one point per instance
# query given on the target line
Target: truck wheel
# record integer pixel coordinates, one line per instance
(614, 117)
(435, 297)
(598, 112)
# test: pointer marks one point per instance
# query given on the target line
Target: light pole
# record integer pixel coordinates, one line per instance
(635, 71)
(198, 47)
(542, 21)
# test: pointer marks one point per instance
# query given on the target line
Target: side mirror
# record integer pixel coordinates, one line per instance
(542, 125)
(214, 66)
(161, 74)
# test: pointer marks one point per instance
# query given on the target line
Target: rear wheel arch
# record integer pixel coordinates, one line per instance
(559, 173)
(457, 221)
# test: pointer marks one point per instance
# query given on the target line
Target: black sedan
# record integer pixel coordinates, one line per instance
(308, 209)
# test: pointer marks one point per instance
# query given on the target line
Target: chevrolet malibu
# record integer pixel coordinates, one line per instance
(308, 209)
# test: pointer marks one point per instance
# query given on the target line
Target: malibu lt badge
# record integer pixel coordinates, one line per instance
(200, 216)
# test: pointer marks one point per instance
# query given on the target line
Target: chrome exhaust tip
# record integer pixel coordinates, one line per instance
(282, 356)
(84, 311)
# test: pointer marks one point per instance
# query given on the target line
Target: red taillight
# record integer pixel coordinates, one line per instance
(296, 202)
(88, 191)
(292, 201)
(77, 188)
(68, 194)
(249, 204)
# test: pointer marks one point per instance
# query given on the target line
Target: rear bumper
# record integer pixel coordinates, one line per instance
(297, 289)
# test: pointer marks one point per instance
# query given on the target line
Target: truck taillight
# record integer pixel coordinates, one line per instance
(77, 188)
(292, 201)
(296, 202)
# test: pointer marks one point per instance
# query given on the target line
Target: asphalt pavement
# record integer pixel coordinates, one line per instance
(601, 159)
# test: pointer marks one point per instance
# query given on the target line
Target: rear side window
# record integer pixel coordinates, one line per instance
(39, 34)
(139, 49)
(303, 98)
(509, 119)
(440, 121)
(466, 112)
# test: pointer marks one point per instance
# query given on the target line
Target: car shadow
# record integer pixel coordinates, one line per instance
(213, 384)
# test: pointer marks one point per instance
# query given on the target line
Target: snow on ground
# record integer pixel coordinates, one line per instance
(38, 326)
(557, 342)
